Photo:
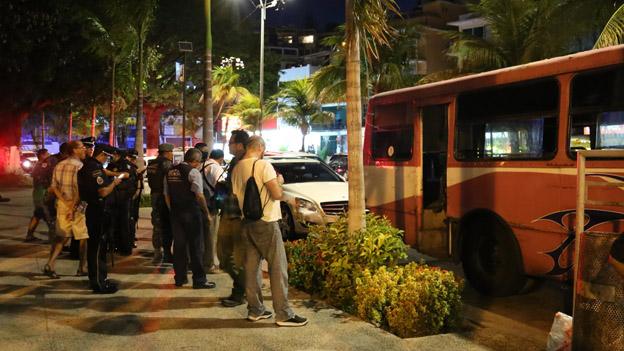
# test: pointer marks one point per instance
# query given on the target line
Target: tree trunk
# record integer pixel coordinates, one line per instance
(42, 130)
(208, 132)
(227, 124)
(303, 142)
(111, 128)
(138, 145)
(71, 122)
(356, 219)
(93, 113)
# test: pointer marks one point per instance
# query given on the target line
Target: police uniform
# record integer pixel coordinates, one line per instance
(186, 224)
(135, 202)
(91, 178)
(162, 238)
(122, 234)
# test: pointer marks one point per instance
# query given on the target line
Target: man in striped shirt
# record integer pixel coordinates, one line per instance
(70, 218)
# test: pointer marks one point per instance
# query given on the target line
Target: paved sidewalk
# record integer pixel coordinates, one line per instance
(149, 313)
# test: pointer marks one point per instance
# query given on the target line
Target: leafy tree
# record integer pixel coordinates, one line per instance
(297, 104)
(367, 20)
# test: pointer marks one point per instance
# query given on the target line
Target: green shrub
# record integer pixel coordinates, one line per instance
(414, 300)
(330, 260)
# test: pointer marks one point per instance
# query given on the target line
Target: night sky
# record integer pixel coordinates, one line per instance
(320, 14)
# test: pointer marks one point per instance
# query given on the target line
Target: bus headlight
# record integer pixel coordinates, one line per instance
(27, 164)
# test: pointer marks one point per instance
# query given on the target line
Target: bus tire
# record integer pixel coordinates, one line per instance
(491, 257)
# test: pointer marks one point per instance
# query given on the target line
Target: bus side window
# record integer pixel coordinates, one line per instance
(511, 122)
(393, 133)
(597, 110)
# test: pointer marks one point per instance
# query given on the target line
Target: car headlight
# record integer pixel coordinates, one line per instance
(27, 164)
(304, 205)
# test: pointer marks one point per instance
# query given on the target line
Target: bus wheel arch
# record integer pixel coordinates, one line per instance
(490, 254)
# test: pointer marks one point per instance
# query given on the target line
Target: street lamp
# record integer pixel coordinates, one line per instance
(263, 5)
(185, 47)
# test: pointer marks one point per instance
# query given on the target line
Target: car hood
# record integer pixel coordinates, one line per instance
(319, 191)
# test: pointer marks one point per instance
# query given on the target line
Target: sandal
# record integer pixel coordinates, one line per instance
(81, 273)
(47, 270)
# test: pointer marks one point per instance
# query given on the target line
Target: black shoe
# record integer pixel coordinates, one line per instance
(106, 288)
(265, 315)
(4, 199)
(206, 285)
(181, 283)
(295, 321)
(167, 258)
(232, 302)
(30, 238)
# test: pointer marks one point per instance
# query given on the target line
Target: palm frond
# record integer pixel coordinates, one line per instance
(613, 32)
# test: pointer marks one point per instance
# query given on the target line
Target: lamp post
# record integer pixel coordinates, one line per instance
(185, 47)
(263, 5)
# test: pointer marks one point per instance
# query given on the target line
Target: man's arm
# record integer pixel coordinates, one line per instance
(197, 187)
(274, 186)
(105, 191)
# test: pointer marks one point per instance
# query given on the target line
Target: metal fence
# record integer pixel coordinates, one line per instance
(598, 289)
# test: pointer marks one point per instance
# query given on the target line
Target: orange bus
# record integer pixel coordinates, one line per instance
(482, 167)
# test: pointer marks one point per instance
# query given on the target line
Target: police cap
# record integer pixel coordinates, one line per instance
(132, 153)
(165, 147)
(103, 148)
(88, 142)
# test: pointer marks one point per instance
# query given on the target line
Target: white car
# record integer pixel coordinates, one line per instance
(317, 194)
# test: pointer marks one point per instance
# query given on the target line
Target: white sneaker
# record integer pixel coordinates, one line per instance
(295, 321)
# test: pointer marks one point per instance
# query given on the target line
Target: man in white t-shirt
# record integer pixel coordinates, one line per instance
(212, 173)
(263, 239)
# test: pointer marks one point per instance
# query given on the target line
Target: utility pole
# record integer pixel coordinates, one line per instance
(42, 130)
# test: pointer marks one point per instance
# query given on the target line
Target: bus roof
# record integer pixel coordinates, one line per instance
(580, 61)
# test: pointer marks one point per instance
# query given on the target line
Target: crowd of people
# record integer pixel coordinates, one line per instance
(90, 194)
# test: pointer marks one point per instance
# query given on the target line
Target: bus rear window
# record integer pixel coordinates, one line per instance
(514, 122)
(393, 132)
(597, 111)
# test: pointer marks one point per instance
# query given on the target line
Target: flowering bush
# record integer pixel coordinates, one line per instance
(414, 300)
(359, 273)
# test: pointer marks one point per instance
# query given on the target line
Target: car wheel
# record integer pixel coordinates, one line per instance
(491, 258)
(287, 223)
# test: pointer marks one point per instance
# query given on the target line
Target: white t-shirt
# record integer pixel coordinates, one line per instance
(263, 173)
(214, 172)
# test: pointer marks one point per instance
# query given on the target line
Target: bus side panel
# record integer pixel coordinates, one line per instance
(395, 193)
(520, 196)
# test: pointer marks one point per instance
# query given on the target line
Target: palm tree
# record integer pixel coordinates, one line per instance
(248, 110)
(390, 70)
(110, 38)
(139, 14)
(522, 31)
(364, 19)
(613, 32)
(226, 91)
(298, 106)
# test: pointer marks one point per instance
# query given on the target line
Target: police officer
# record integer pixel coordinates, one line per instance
(124, 240)
(89, 143)
(95, 188)
(135, 202)
(162, 237)
(184, 196)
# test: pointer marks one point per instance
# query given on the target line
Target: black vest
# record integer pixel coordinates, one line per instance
(156, 172)
(179, 187)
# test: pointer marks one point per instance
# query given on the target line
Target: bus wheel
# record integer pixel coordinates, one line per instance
(491, 258)
(287, 223)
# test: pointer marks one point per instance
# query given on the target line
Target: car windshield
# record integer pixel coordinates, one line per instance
(305, 172)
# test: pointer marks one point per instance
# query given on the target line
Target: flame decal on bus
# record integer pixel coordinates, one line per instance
(593, 218)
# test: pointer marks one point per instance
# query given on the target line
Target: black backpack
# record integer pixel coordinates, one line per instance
(219, 191)
(252, 204)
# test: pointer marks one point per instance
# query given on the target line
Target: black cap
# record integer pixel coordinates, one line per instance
(88, 142)
(132, 153)
(103, 148)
